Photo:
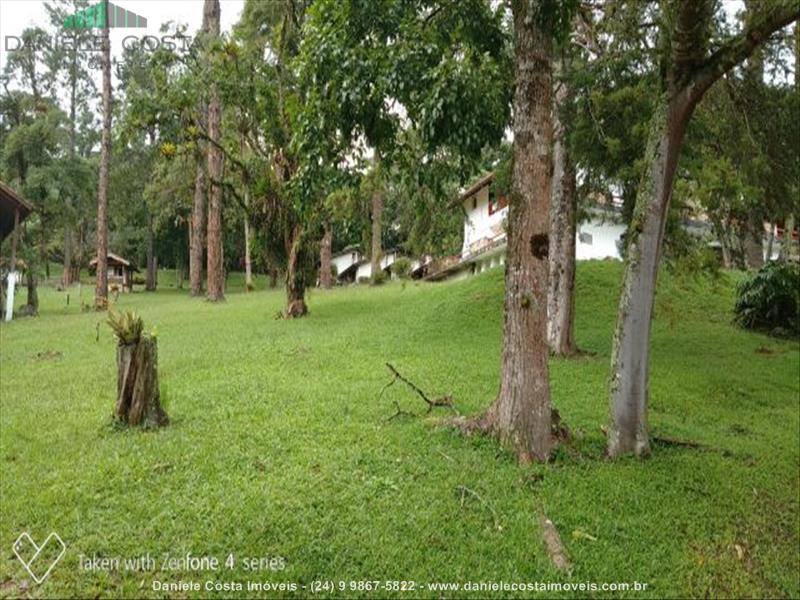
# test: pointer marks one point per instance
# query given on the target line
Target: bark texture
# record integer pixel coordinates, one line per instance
(521, 416)
(295, 277)
(215, 276)
(629, 363)
(138, 395)
(754, 244)
(563, 211)
(325, 274)
(101, 288)
(197, 241)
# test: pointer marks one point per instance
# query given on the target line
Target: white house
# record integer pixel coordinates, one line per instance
(484, 244)
(346, 263)
(387, 260)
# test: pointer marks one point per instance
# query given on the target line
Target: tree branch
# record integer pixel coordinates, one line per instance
(444, 401)
(228, 155)
(761, 26)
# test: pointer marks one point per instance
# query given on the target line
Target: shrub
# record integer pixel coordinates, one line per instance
(401, 268)
(378, 278)
(363, 280)
(770, 300)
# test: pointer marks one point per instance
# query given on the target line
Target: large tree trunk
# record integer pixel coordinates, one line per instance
(325, 274)
(196, 241)
(630, 354)
(150, 276)
(101, 288)
(215, 275)
(689, 75)
(754, 85)
(521, 416)
(563, 209)
(295, 277)
(754, 243)
(377, 218)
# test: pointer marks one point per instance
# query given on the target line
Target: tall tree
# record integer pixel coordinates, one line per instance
(215, 275)
(522, 416)
(70, 61)
(688, 71)
(101, 289)
(563, 221)
(376, 71)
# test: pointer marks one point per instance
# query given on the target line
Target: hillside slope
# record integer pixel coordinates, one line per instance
(280, 446)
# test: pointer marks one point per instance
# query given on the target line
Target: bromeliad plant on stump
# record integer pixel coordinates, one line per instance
(138, 396)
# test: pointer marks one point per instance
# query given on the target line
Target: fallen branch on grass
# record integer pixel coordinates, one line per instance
(442, 401)
(399, 412)
(553, 543)
(668, 441)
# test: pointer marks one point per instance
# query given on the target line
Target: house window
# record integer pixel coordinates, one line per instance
(474, 202)
(496, 203)
(585, 238)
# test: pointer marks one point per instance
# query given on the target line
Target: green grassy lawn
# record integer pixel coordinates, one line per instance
(279, 446)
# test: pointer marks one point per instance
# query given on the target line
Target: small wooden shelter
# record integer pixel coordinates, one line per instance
(13, 210)
(120, 272)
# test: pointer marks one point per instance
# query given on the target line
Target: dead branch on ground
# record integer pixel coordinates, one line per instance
(442, 401)
(554, 546)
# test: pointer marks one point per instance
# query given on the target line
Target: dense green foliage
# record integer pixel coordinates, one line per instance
(770, 299)
(279, 444)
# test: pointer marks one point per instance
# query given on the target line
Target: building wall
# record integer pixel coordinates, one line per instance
(365, 268)
(479, 224)
(345, 261)
(598, 240)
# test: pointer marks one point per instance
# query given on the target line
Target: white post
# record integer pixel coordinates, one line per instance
(12, 280)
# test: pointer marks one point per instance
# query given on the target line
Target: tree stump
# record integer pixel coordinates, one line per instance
(138, 395)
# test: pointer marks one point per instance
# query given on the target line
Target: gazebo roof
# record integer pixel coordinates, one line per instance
(115, 259)
(10, 202)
